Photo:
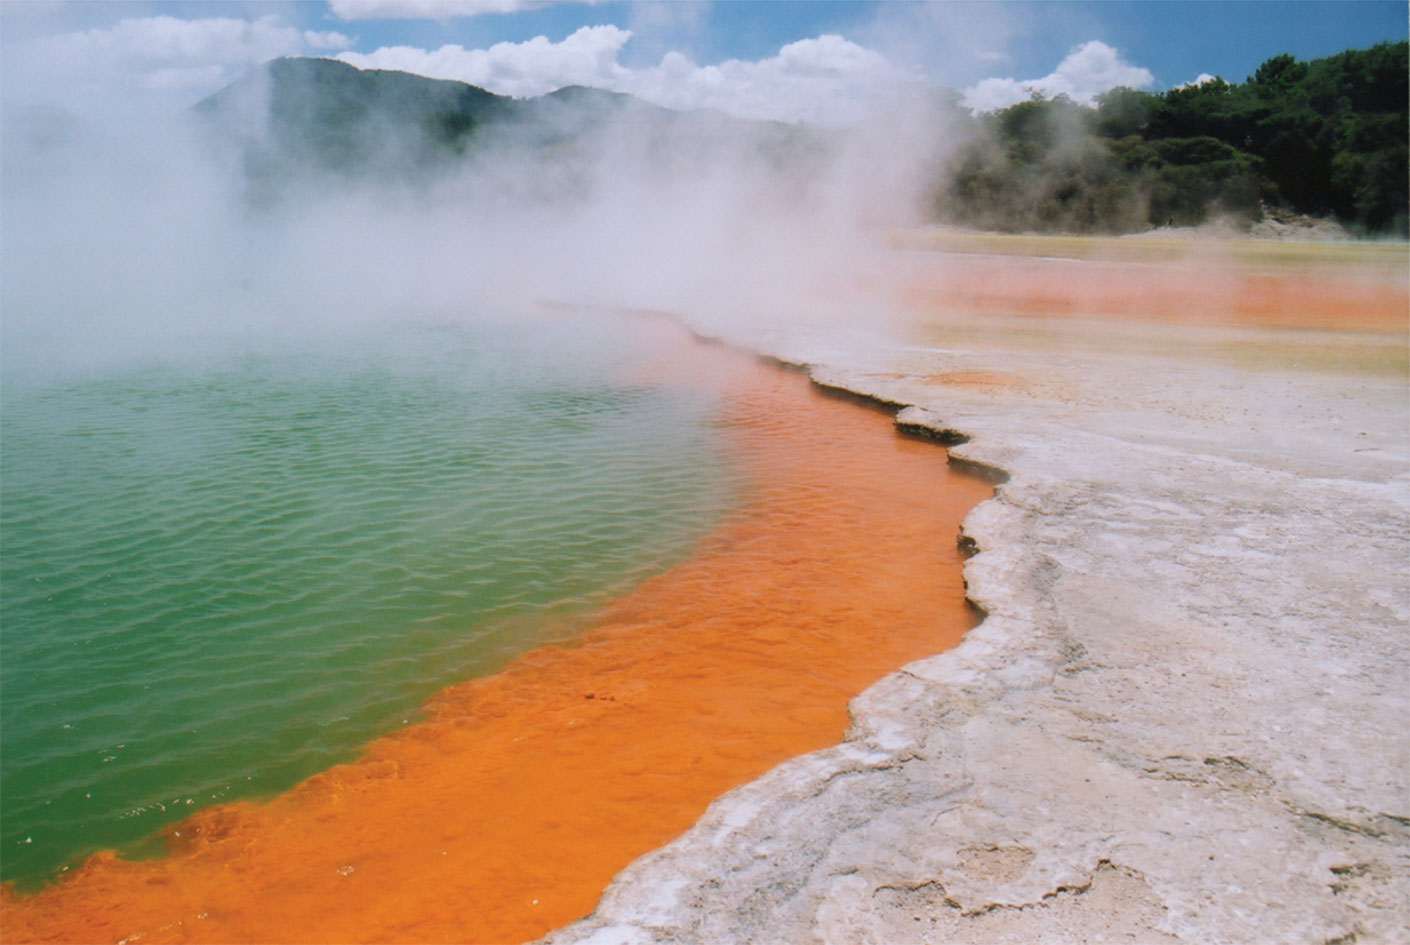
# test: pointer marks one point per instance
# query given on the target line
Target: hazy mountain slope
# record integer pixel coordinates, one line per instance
(324, 121)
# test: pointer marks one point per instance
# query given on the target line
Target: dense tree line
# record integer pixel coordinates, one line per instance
(1326, 137)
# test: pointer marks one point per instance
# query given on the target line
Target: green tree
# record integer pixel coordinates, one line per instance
(1124, 111)
(1326, 137)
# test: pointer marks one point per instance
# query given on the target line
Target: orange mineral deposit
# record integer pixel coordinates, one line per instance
(1183, 291)
(505, 813)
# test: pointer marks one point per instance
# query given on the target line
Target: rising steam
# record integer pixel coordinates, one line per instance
(148, 236)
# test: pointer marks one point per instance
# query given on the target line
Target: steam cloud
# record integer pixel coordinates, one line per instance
(133, 234)
(826, 80)
(129, 231)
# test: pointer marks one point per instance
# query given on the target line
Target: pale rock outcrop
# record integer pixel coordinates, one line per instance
(1183, 719)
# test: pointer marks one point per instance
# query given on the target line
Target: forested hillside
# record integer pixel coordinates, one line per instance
(306, 123)
(1326, 137)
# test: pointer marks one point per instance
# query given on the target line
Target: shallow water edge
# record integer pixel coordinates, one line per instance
(508, 810)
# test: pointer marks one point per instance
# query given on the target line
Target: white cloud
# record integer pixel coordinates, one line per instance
(827, 79)
(166, 39)
(1089, 70)
(534, 67)
(989, 95)
(430, 9)
(173, 62)
(326, 40)
(183, 59)
(1201, 79)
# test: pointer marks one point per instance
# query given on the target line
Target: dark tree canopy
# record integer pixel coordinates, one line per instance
(1326, 137)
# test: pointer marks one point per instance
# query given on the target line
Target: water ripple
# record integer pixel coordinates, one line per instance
(218, 580)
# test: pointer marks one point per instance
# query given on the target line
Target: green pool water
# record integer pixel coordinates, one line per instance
(220, 577)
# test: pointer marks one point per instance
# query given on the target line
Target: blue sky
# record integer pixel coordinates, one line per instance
(1176, 40)
(789, 59)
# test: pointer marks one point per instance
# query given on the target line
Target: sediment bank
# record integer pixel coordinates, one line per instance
(507, 811)
(1184, 717)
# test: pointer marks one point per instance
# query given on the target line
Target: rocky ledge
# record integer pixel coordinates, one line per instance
(1184, 717)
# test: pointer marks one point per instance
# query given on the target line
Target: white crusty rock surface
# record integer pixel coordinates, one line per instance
(1184, 718)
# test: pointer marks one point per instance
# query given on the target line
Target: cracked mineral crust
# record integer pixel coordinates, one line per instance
(1184, 716)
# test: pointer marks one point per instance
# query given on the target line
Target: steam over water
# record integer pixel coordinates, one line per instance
(256, 507)
(223, 576)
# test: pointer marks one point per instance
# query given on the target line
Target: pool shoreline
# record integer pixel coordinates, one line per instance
(1183, 717)
(506, 812)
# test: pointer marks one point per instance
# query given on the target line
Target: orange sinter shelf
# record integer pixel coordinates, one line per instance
(1172, 292)
(506, 812)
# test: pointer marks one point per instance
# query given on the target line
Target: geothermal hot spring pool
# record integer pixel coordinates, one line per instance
(223, 576)
(424, 632)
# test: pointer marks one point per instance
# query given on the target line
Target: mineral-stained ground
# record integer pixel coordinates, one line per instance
(1185, 716)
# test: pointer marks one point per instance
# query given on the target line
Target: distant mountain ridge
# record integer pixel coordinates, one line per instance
(335, 116)
(1326, 138)
(299, 117)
